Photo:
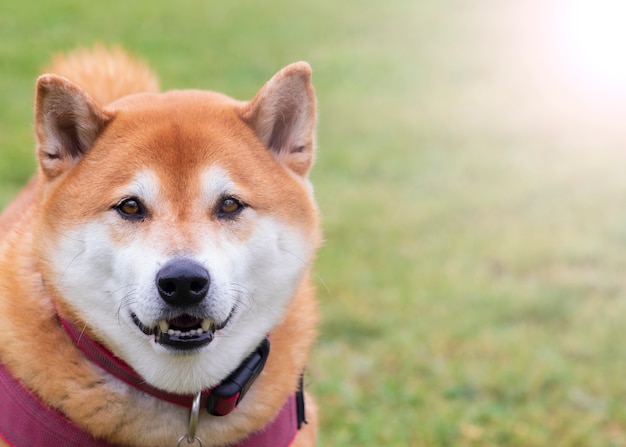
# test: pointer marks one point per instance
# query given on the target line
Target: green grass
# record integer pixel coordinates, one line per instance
(471, 283)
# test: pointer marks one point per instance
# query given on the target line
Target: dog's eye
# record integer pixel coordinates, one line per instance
(131, 209)
(229, 207)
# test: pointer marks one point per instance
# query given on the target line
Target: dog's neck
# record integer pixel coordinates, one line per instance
(219, 400)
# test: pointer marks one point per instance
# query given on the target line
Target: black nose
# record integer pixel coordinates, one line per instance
(183, 282)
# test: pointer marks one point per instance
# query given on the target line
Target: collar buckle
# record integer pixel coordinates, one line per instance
(226, 396)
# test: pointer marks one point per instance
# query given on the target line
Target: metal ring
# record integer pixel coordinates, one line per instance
(194, 414)
(193, 417)
(189, 441)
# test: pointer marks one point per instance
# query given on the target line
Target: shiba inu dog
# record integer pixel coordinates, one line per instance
(155, 274)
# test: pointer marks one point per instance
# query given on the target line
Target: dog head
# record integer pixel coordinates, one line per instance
(176, 227)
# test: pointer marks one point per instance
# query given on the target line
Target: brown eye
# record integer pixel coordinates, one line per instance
(131, 209)
(229, 207)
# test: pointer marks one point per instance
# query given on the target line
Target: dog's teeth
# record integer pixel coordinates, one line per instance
(206, 325)
(164, 326)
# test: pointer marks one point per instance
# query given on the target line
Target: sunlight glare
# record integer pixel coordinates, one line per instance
(591, 39)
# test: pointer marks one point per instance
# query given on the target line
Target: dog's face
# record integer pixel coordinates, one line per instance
(176, 227)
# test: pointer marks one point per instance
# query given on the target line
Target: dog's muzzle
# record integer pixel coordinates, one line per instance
(183, 284)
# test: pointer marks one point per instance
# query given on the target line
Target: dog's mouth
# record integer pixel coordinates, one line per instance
(183, 332)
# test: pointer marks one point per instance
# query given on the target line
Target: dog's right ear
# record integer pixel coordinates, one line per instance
(67, 123)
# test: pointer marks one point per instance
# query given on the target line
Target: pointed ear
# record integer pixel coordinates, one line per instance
(67, 123)
(283, 115)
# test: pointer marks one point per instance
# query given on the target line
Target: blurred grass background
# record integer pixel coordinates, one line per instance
(472, 190)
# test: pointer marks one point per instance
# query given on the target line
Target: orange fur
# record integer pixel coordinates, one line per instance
(106, 74)
(215, 129)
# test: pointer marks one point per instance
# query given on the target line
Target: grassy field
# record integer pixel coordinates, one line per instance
(473, 194)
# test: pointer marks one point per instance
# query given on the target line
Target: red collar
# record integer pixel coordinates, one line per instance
(25, 420)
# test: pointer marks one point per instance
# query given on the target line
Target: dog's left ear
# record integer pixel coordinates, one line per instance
(67, 123)
(283, 115)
